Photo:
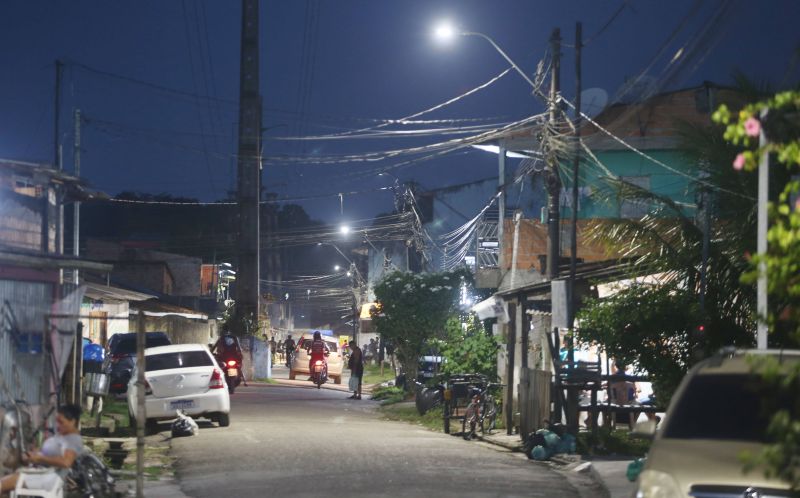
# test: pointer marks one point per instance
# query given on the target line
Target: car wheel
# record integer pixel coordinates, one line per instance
(224, 419)
(337, 380)
(291, 374)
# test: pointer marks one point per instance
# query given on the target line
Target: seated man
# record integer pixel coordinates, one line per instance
(59, 451)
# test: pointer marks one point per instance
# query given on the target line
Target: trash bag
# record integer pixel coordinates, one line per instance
(635, 468)
(539, 453)
(184, 425)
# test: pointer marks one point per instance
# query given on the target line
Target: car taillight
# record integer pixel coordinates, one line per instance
(231, 363)
(147, 388)
(216, 380)
(116, 357)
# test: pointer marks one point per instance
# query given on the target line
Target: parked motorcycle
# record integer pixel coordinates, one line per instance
(320, 374)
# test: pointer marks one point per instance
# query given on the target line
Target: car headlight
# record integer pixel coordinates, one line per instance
(655, 484)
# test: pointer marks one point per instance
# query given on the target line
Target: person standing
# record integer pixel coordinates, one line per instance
(273, 346)
(356, 366)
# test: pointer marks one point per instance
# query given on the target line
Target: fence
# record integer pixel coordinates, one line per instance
(534, 400)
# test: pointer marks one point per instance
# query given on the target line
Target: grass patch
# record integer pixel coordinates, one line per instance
(372, 374)
(407, 412)
(266, 381)
(610, 442)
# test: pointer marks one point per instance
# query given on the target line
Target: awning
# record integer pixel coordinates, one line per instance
(491, 308)
(101, 292)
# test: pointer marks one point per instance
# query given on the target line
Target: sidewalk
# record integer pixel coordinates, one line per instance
(608, 472)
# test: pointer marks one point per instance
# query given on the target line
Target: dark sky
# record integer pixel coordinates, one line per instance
(331, 66)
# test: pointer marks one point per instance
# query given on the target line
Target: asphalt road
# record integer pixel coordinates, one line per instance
(300, 441)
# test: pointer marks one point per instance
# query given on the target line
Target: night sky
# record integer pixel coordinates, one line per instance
(332, 66)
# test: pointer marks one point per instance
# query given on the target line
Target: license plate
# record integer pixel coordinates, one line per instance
(181, 403)
(233, 372)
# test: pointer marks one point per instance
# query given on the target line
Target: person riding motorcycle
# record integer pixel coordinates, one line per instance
(317, 350)
(228, 348)
(288, 348)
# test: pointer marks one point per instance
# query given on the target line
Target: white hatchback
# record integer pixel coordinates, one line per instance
(181, 377)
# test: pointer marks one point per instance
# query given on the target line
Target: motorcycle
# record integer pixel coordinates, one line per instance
(320, 374)
(232, 368)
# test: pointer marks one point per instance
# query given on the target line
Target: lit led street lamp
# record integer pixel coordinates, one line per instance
(446, 32)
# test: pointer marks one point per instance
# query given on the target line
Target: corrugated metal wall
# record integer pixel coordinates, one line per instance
(23, 364)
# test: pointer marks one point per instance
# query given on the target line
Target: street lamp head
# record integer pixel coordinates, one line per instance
(445, 31)
(337, 268)
(344, 229)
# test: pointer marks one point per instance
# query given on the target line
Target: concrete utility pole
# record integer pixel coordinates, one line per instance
(501, 206)
(763, 222)
(553, 181)
(572, 394)
(249, 171)
(57, 117)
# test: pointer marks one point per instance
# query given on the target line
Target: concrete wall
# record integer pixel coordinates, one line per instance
(181, 330)
(117, 312)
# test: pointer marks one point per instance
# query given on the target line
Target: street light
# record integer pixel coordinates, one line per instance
(337, 268)
(445, 32)
(344, 229)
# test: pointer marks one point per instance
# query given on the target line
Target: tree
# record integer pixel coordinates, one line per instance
(413, 308)
(468, 348)
(779, 119)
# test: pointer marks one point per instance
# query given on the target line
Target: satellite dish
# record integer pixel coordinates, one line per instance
(593, 100)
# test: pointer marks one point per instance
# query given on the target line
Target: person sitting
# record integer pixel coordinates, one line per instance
(58, 451)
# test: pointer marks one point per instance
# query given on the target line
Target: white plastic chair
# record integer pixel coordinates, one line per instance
(42, 483)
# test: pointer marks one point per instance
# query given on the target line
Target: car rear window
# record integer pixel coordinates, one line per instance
(722, 406)
(127, 344)
(181, 359)
(306, 343)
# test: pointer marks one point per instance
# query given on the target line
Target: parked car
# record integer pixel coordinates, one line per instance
(181, 377)
(301, 358)
(121, 357)
(716, 414)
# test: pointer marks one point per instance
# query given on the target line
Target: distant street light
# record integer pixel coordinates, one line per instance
(444, 31)
(337, 268)
(344, 229)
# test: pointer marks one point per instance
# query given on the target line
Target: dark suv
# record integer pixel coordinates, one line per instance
(121, 357)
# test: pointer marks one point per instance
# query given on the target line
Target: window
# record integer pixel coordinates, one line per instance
(635, 209)
(722, 407)
(182, 359)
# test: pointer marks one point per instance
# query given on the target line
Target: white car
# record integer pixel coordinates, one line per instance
(181, 377)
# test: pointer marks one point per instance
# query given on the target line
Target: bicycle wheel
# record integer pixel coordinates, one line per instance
(470, 421)
(489, 418)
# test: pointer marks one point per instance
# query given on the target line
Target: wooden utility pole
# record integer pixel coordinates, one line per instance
(76, 221)
(141, 410)
(249, 172)
(57, 117)
(553, 181)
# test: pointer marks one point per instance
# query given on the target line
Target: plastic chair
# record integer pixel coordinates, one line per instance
(43, 483)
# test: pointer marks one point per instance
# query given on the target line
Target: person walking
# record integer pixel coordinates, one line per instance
(356, 366)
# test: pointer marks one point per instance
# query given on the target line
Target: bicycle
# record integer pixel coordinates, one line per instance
(482, 409)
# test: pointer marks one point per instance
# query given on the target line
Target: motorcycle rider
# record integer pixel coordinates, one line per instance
(227, 348)
(288, 348)
(317, 350)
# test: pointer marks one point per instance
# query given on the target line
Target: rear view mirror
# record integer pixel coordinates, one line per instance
(644, 430)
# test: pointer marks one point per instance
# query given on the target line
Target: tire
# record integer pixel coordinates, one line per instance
(89, 477)
(291, 374)
(470, 422)
(489, 418)
(231, 389)
(223, 419)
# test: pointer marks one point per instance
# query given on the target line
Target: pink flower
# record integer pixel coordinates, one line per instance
(738, 163)
(752, 127)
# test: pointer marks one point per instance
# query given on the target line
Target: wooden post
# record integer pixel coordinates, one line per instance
(512, 346)
(141, 418)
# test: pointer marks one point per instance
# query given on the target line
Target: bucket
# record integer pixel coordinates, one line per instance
(97, 384)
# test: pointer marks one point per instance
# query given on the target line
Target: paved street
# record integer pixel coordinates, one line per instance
(300, 441)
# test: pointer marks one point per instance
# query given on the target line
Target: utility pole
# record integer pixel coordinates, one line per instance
(763, 221)
(553, 181)
(501, 206)
(76, 216)
(57, 117)
(572, 394)
(249, 172)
